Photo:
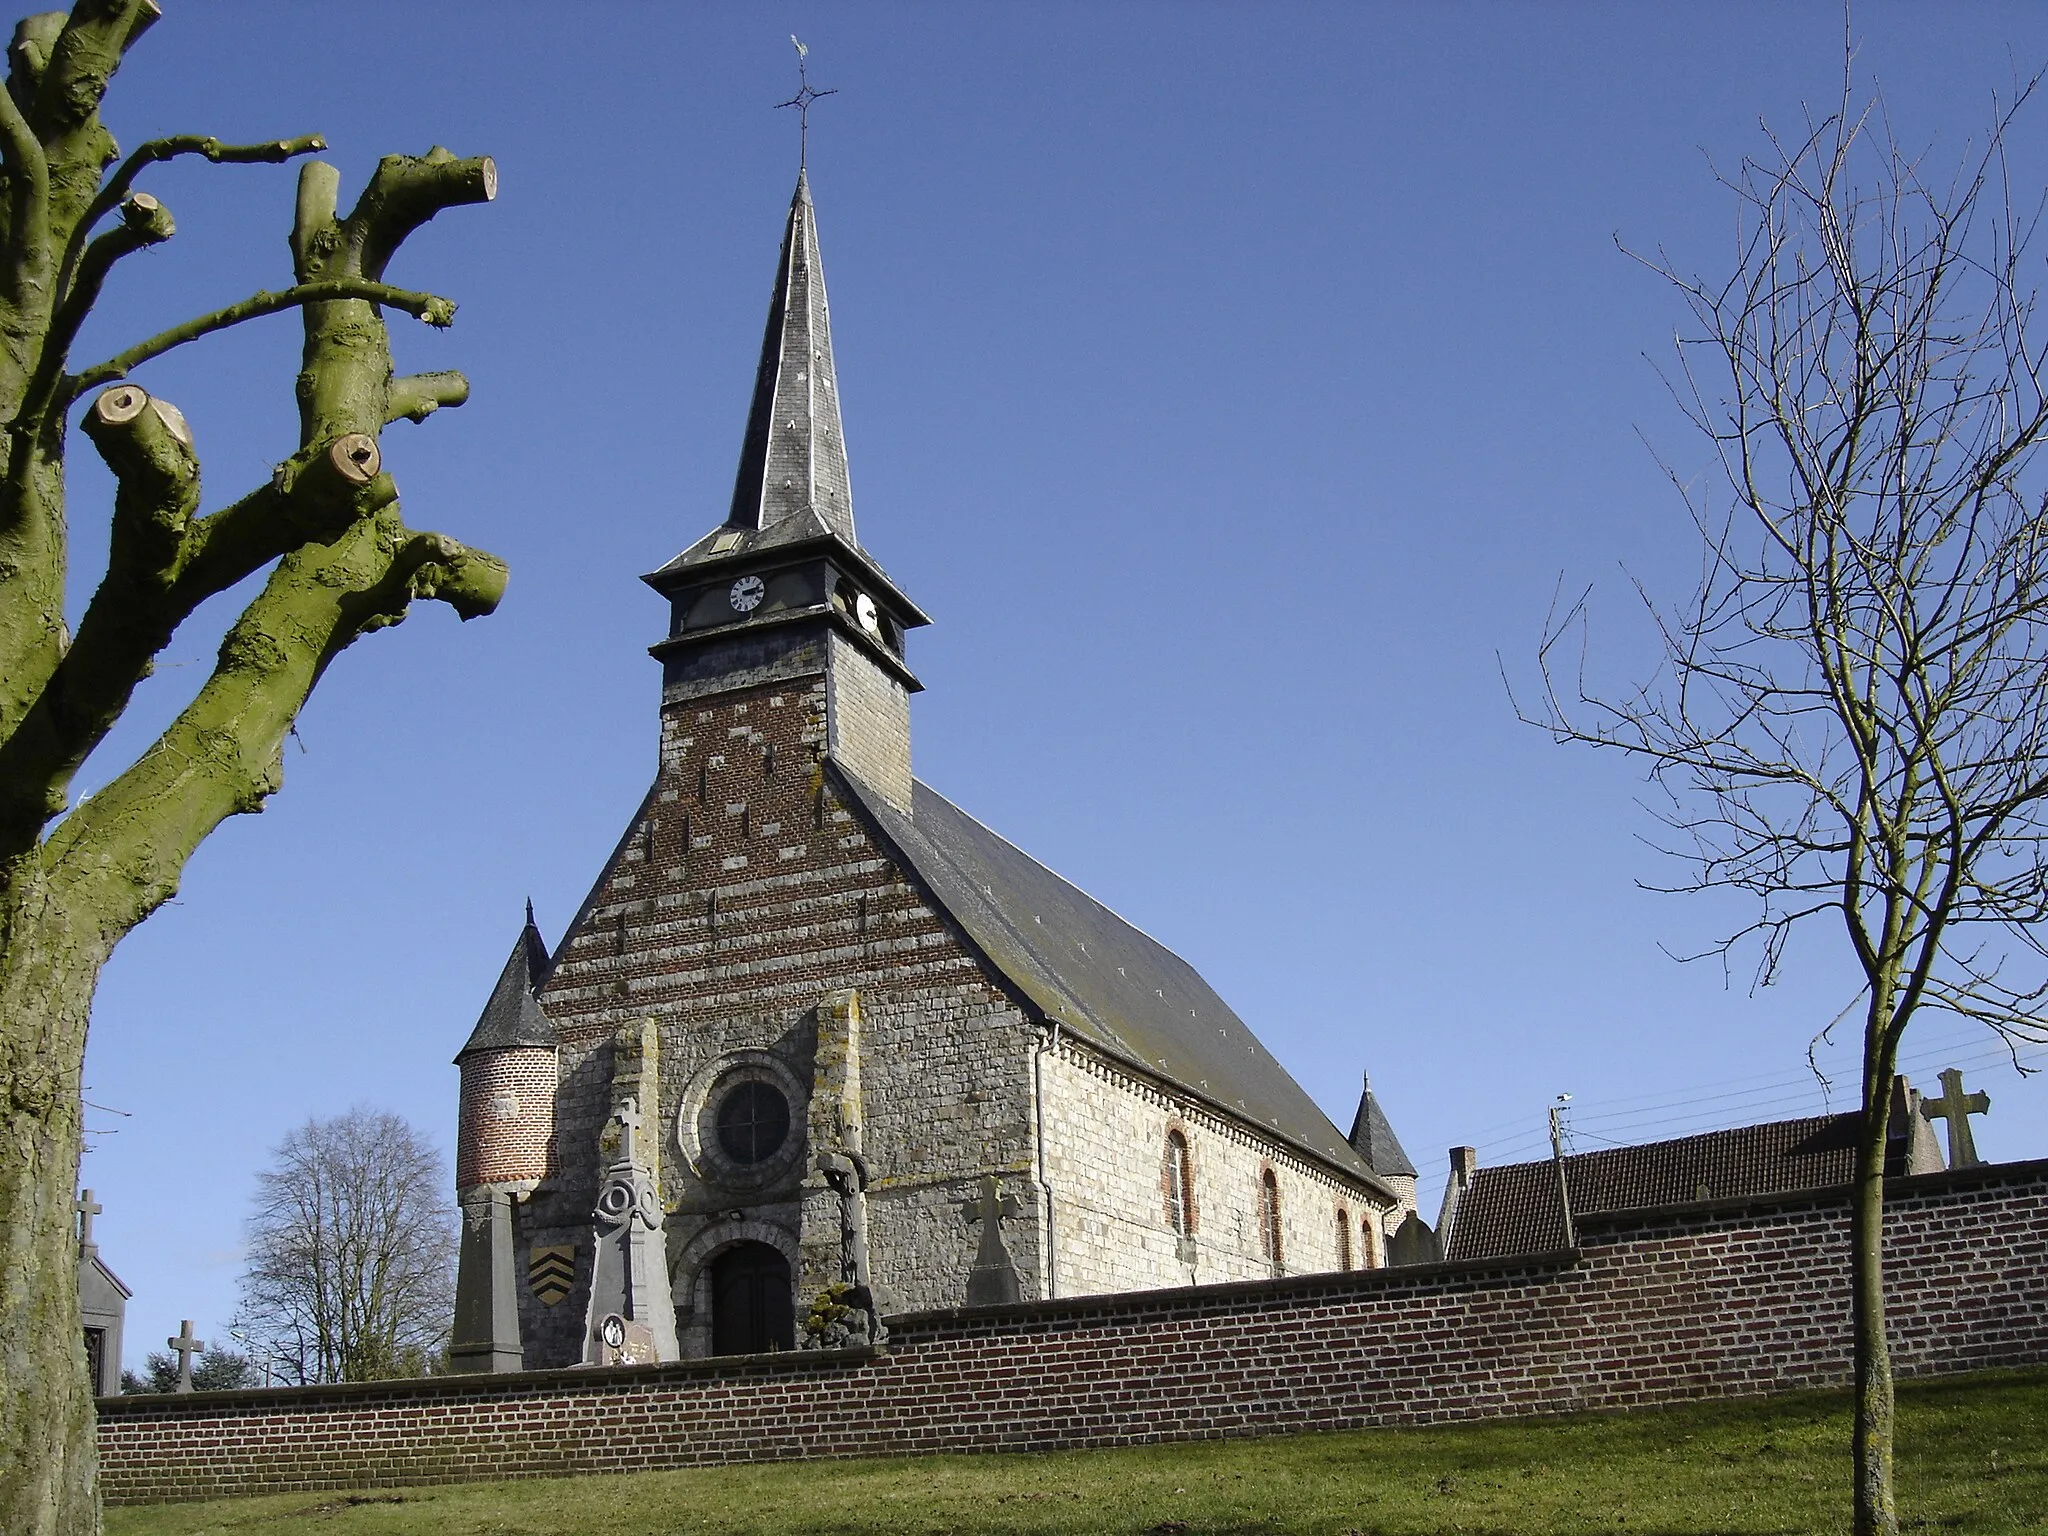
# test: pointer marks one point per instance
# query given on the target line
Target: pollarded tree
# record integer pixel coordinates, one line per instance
(74, 879)
(1852, 716)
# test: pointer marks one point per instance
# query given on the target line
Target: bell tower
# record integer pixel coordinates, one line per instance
(782, 592)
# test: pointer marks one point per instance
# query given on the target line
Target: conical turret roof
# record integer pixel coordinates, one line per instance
(513, 1019)
(1373, 1139)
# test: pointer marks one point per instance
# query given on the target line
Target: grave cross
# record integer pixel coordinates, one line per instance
(994, 1276)
(1956, 1107)
(187, 1347)
(86, 1211)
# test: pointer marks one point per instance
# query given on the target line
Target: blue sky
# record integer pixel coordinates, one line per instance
(1233, 387)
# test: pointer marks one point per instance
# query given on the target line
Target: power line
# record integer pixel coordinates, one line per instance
(1747, 1100)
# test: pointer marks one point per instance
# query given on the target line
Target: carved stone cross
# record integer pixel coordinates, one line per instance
(187, 1347)
(86, 1211)
(991, 1206)
(1956, 1107)
(627, 1116)
(994, 1277)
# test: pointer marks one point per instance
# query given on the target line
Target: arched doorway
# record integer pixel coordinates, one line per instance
(751, 1309)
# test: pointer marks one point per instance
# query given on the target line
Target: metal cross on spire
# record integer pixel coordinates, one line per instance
(802, 100)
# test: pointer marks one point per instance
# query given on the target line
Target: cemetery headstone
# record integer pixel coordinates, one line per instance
(187, 1346)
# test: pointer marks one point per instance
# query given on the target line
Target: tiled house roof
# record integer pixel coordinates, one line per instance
(1515, 1209)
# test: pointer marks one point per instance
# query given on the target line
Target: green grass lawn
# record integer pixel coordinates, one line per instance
(1973, 1457)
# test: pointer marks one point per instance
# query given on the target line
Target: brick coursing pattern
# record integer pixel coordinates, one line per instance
(742, 894)
(1708, 1300)
(507, 1125)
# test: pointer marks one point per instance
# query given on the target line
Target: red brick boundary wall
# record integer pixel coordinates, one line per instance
(1707, 1300)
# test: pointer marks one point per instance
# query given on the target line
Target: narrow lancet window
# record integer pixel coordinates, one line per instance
(1269, 1218)
(1180, 1185)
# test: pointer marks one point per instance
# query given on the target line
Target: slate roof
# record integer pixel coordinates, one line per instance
(1373, 1139)
(792, 484)
(514, 1018)
(1514, 1208)
(1107, 983)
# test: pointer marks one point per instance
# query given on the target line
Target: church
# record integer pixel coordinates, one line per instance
(820, 1047)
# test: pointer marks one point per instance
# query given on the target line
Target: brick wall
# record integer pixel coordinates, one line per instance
(1714, 1299)
(506, 1125)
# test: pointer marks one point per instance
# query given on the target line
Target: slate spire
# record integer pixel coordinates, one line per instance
(514, 1018)
(792, 475)
(1373, 1139)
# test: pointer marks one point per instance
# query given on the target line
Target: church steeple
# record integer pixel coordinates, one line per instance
(793, 459)
(782, 588)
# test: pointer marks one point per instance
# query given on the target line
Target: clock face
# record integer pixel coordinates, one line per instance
(864, 610)
(746, 594)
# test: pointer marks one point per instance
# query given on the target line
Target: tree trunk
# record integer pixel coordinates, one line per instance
(1876, 1514)
(48, 967)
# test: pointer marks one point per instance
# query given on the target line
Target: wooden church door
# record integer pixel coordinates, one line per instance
(751, 1308)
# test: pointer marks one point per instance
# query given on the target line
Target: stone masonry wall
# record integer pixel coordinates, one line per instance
(1105, 1154)
(870, 722)
(1709, 1300)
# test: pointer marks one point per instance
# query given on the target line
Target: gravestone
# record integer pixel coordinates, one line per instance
(1412, 1242)
(1956, 1107)
(186, 1346)
(993, 1280)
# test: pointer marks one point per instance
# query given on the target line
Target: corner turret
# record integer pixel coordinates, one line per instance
(506, 1132)
(509, 1076)
(1373, 1139)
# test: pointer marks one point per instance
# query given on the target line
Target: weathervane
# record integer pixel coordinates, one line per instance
(802, 102)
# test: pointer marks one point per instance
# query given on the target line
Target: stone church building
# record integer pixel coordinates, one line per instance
(816, 1026)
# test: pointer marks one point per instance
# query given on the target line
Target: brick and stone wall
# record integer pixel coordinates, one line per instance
(869, 722)
(1714, 1299)
(742, 895)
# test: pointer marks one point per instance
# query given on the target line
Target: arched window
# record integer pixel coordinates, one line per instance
(1269, 1218)
(1343, 1238)
(1370, 1248)
(1180, 1185)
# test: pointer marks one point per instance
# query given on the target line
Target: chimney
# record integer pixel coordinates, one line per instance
(1464, 1164)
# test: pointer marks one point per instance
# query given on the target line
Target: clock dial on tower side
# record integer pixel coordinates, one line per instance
(746, 594)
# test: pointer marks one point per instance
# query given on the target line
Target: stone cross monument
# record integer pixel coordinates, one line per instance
(993, 1279)
(186, 1346)
(87, 1208)
(1956, 1107)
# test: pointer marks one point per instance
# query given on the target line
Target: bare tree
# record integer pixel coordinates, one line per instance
(1851, 718)
(337, 561)
(351, 1273)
